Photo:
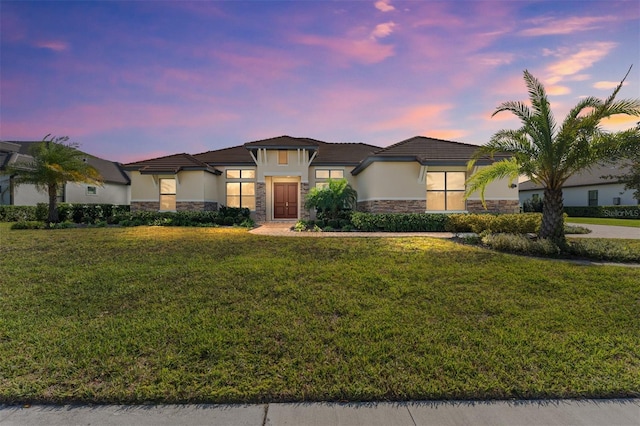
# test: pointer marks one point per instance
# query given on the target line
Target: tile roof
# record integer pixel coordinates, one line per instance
(342, 153)
(170, 164)
(111, 171)
(426, 151)
(592, 176)
(283, 142)
(233, 156)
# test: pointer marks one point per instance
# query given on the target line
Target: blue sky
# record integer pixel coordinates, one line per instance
(136, 80)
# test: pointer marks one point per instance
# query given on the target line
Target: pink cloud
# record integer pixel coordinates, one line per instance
(384, 6)
(416, 117)
(606, 85)
(550, 26)
(447, 134)
(346, 51)
(575, 63)
(383, 30)
(55, 45)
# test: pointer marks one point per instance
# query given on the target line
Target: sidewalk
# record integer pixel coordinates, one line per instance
(621, 412)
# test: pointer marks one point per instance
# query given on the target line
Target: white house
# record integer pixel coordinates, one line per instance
(588, 188)
(116, 188)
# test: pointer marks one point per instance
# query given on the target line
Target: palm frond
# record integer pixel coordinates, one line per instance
(479, 181)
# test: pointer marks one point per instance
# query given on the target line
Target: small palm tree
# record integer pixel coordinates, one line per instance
(337, 196)
(55, 162)
(549, 154)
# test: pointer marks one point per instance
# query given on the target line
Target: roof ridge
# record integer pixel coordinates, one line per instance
(160, 158)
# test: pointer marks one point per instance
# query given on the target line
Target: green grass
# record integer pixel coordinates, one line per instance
(635, 223)
(220, 315)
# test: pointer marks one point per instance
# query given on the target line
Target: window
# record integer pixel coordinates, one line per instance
(167, 194)
(92, 190)
(445, 191)
(327, 174)
(593, 198)
(240, 174)
(241, 194)
(283, 156)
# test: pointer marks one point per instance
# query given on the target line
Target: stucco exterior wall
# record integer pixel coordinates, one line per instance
(28, 195)
(108, 193)
(390, 181)
(579, 196)
(144, 188)
(298, 165)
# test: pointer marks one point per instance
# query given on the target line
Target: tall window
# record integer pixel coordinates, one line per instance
(240, 191)
(322, 175)
(593, 198)
(445, 191)
(167, 194)
(283, 156)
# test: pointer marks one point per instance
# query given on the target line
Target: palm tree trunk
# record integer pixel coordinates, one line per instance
(552, 217)
(53, 204)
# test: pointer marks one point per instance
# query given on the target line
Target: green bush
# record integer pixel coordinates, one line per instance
(519, 243)
(598, 249)
(17, 213)
(517, 223)
(224, 216)
(399, 222)
(28, 224)
(616, 212)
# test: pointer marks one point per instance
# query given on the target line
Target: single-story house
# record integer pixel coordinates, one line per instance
(587, 188)
(116, 187)
(272, 177)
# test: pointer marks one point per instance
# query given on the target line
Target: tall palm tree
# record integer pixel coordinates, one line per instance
(549, 154)
(55, 161)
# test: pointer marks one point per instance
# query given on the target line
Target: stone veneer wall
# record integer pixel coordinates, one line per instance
(137, 206)
(392, 206)
(493, 206)
(304, 190)
(196, 206)
(261, 202)
(181, 206)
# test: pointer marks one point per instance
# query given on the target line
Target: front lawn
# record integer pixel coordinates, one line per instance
(220, 315)
(635, 223)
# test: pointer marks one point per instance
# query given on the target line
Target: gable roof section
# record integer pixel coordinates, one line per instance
(427, 151)
(589, 177)
(111, 171)
(342, 153)
(170, 164)
(234, 156)
(284, 142)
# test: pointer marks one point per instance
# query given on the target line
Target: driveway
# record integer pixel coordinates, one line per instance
(607, 231)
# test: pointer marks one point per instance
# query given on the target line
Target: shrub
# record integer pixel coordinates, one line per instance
(532, 206)
(17, 213)
(28, 224)
(573, 229)
(617, 212)
(597, 249)
(517, 223)
(399, 222)
(226, 216)
(518, 243)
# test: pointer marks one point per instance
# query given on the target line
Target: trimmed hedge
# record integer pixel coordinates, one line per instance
(399, 222)
(17, 213)
(617, 212)
(516, 223)
(224, 216)
(78, 213)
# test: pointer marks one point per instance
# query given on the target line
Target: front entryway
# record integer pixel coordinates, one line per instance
(285, 200)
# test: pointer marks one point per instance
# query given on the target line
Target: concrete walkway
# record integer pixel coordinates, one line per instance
(607, 231)
(621, 412)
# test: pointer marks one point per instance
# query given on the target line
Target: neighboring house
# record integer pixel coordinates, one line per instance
(588, 188)
(272, 177)
(115, 189)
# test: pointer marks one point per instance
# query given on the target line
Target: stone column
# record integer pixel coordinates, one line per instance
(261, 202)
(304, 190)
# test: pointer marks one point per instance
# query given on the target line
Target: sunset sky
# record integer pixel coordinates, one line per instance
(137, 80)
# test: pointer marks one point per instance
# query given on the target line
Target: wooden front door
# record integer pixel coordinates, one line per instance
(285, 200)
